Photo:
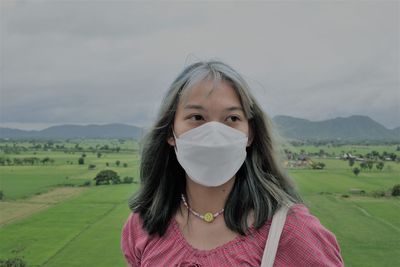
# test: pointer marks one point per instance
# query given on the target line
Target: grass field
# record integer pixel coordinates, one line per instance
(84, 229)
(23, 181)
(367, 228)
(340, 150)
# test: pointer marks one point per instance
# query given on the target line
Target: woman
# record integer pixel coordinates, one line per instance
(211, 183)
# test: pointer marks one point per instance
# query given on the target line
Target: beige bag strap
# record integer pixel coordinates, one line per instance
(278, 221)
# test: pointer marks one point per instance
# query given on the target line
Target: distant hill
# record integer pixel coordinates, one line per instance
(353, 128)
(76, 131)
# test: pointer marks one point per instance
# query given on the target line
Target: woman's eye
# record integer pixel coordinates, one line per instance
(233, 118)
(196, 117)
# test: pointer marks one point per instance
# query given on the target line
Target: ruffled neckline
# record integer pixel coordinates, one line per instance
(204, 253)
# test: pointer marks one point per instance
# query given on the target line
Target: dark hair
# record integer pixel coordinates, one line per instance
(261, 184)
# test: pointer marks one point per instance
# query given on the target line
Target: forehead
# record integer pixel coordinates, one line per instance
(210, 91)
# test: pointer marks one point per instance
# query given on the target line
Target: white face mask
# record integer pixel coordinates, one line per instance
(212, 153)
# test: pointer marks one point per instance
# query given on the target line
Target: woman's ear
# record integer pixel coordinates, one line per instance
(171, 138)
(171, 141)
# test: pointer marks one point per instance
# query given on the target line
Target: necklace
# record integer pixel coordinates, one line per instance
(207, 217)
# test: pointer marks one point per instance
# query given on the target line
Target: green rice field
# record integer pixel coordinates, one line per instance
(84, 229)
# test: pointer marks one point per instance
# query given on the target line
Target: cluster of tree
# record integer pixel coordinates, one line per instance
(374, 155)
(108, 148)
(366, 165)
(81, 161)
(118, 163)
(14, 149)
(66, 146)
(371, 156)
(297, 156)
(17, 149)
(25, 161)
(339, 143)
(303, 154)
(106, 177)
(394, 191)
(49, 145)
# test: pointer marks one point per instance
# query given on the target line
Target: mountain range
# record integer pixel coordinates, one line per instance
(115, 130)
(353, 128)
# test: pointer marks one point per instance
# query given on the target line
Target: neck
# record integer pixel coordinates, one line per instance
(204, 199)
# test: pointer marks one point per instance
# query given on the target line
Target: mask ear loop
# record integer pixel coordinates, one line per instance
(176, 151)
(175, 146)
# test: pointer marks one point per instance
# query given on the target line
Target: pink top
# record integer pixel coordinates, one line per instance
(304, 242)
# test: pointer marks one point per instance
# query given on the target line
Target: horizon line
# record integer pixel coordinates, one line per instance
(39, 126)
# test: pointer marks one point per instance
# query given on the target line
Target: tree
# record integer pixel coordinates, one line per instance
(363, 165)
(17, 161)
(107, 176)
(356, 171)
(45, 160)
(396, 190)
(91, 167)
(81, 161)
(125, 165)
(105, 147)
(351, 162)
(117, 162)
(380, 165)
(317, 165)
(99, 154)
(370, 164)
(127, 180)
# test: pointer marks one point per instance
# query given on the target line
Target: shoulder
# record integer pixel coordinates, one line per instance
(133, 239)
(306, 242)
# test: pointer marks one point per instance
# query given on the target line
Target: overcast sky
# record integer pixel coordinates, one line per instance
(112, 61)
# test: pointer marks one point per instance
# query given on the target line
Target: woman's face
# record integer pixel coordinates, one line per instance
(200, 106)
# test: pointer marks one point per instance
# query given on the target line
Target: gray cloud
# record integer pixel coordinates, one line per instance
(89, 61)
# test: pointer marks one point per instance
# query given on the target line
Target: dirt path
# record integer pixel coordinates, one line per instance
(11, 211)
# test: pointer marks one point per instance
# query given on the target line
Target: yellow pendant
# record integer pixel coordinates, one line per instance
(208, 217)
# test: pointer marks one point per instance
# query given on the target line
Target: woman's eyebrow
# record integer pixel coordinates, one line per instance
(234, 108)
(191, 106)
(194, 107)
